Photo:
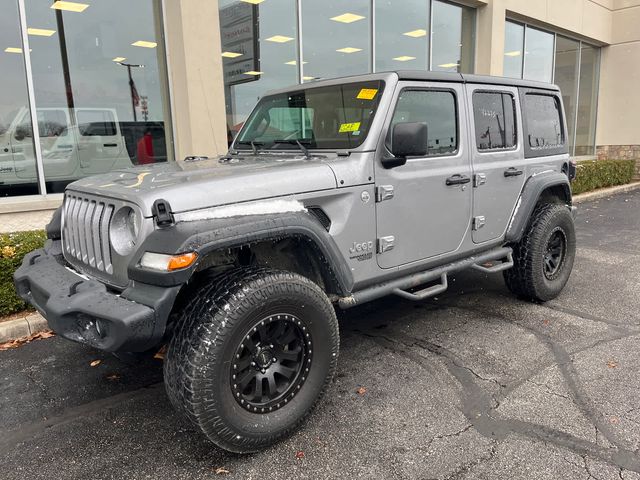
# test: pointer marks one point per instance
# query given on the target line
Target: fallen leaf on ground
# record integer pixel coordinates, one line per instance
(299, 454)
(95, 363)
(160, 353)
(222, 471)
(361, 391)
(18, 342)
(113, 377)
(612, 364)
(614, 420)
(545, 322)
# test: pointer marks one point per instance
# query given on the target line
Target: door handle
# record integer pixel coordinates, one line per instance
(109, 144)
(457, 179)
(512, 172)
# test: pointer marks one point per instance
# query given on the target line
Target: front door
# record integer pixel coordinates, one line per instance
(423, 208)
(498, 158)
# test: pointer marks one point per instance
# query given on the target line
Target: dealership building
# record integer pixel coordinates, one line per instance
(91, 86)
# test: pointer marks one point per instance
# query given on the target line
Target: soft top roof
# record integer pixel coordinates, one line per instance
(423, 75)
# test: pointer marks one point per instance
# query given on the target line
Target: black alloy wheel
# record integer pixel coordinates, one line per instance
(555, 253)
(271, 363)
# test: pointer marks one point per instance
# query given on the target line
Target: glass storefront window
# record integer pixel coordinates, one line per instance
(100, 87)
(17, 155)
(402, 34)
(452, 38)
(572, 65)
(335, 38)
(259, 53)
(513, 49)
(565, 76)
(538, 55)
(587, 100)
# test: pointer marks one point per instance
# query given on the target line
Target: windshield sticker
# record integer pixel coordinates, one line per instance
(349, 127)
(367, 93)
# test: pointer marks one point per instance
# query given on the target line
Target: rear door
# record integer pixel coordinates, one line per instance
(498, 158)
(423, 208)
(100, 143)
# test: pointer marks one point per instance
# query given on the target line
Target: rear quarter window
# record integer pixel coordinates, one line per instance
(543, 115)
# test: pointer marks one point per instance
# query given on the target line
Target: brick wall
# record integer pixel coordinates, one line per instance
(620, 152)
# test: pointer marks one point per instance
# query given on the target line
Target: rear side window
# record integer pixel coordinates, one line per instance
(435, 108)
(543, 121)
(494, 118)
(96, 123)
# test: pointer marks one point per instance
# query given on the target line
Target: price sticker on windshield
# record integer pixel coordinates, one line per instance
(349, 127)
(367, 93)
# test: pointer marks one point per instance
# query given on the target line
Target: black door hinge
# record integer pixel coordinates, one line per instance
(162, 213)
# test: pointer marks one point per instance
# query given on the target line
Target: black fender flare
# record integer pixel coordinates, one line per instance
(531, 192)
(205, 236)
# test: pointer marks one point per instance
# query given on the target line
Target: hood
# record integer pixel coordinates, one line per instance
(209, 182)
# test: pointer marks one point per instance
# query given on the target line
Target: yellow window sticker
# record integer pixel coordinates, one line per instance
(349, 127)
(367, 93)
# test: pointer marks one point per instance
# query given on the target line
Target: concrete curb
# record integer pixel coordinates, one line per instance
(22, 327)
(605, 192)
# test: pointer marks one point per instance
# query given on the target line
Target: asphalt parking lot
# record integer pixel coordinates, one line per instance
(472, 385)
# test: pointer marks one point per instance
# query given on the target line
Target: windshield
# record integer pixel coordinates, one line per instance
(335, 117)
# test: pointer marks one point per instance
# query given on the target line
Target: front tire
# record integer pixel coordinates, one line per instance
(543, 258)
(252, 353)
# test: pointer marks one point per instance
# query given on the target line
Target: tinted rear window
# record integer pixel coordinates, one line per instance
(494, 118)
(544, 125)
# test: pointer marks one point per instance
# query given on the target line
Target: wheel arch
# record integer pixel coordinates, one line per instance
(276, 241)
(549, 187)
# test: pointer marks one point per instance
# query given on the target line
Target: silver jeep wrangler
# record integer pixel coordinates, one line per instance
(334, 193)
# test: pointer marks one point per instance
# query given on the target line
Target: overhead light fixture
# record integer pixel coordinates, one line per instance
(42, 32)
(253, 2)
(293, 62)
(349, 50)
(70, 6)
(309, 78)
(279, 39)
(514, 53)
(231, 54)
(416, 33)
(448, 65)
(13, 50)
(253, 72)
(119, 59)
(144, 44)
(404, 58)
(347, 18)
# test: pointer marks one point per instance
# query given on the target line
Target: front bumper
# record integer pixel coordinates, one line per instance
(84, 310)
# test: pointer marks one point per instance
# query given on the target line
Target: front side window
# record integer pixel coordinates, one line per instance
(435, 108)
(494, 118)
(544, 127)
(334, 117)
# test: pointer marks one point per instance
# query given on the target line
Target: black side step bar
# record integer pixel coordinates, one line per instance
(399, 286)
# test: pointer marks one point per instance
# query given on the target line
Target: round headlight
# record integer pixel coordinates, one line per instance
(124, 230)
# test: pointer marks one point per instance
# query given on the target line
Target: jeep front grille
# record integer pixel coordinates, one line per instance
(85, 233)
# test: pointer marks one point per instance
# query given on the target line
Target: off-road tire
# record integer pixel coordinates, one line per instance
(527, 278)
(212, 326)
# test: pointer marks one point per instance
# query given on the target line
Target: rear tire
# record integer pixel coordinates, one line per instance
(252, 353)
(543, 258)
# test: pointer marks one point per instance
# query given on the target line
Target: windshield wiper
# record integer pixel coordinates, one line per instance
(300, 143)
(253, 145)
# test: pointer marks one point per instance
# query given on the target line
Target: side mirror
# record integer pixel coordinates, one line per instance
(407, 140)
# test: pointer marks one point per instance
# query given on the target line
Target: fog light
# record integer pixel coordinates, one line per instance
(167, 263)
